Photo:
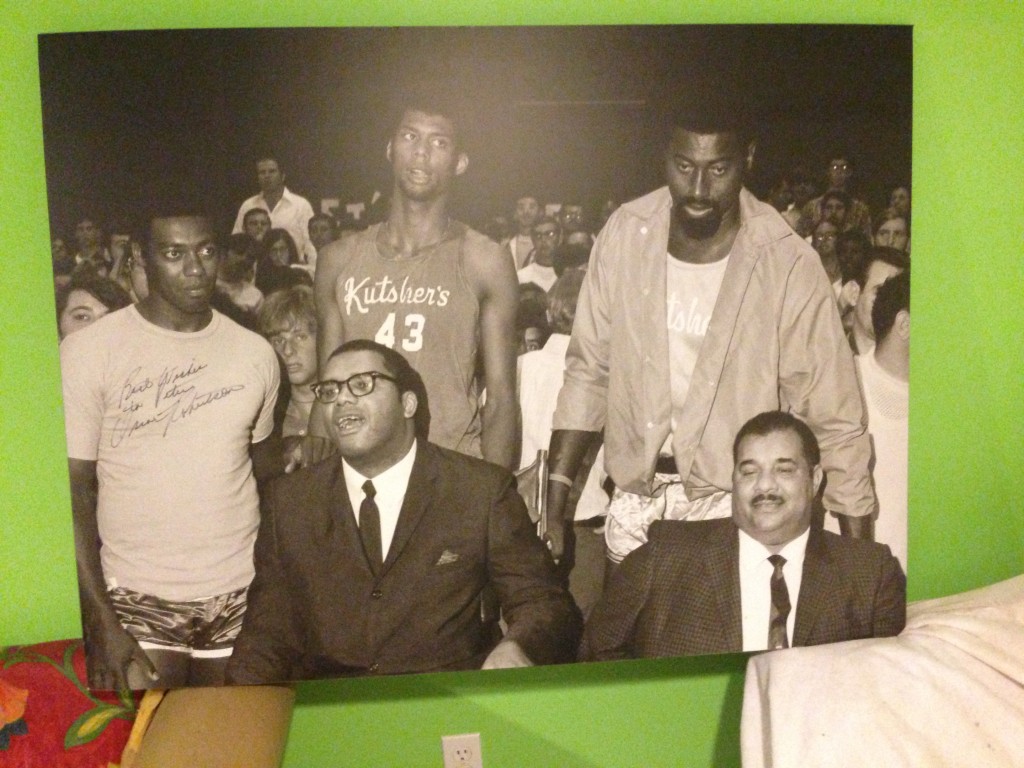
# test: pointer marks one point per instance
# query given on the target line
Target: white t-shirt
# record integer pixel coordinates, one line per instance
(168, 418)
(534, 273)
(540, 379)
(690, 296)
(887, 400)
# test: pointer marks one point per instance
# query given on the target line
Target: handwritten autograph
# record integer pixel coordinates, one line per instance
(175, 396)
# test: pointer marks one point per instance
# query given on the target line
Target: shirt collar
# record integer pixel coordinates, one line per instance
(395, 476)
(753, 552)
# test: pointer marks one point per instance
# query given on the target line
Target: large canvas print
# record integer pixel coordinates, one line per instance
(320, 291)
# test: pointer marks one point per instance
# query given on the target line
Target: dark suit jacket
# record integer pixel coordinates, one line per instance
(679, 594)
(315, 608)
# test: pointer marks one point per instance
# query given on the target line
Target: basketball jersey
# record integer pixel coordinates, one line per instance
(424, 308)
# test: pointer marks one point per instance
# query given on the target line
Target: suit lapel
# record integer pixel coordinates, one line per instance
(418, 495)
(724, 576)
(817, 589)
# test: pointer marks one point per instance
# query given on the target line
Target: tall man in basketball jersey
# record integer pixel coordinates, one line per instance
(431, 288)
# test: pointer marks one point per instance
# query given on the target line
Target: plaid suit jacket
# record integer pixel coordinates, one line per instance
(316, 609)
(679, 594)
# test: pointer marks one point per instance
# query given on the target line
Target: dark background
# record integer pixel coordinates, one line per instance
(140, 120)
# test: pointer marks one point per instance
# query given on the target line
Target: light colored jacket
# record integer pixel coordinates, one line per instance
(774, 342)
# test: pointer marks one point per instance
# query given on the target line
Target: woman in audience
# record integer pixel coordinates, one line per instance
(85, 299)
(280, 266)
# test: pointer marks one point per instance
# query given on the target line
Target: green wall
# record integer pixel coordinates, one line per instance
(966, 523)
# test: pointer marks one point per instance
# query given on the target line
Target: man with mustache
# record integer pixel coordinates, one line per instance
(766, 579)
(701, 308)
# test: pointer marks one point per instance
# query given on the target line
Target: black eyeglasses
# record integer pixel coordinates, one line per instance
(359, 384)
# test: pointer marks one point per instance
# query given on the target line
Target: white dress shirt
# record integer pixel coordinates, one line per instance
(756, 590)
(390, 486)
(291, 213)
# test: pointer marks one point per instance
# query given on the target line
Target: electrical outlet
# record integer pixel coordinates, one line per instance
(462, 751)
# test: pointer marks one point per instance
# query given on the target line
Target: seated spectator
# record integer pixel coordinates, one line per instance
(61, 261)
(531, 327)
(884, 376)
(86, 298)
(802, 189)
(878, 266)
(540, 370)
(540, 379)
(288, 321)
(520, 244)
(91, 251)
(780, 193)
(893, 231)
(236, 276)
(570, 256)
(323, 230)
(852, 247)
(256, 223)
(838, 175)
(572, 217)
(824, 242)
(498, 228)
(899, 201)
(547, 235)
(279, 265)
(835, 208)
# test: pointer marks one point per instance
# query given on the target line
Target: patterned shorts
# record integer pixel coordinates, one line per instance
(204, 628)
(630, 514)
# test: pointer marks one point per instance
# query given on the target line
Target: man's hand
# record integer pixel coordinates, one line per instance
(559, 538)
(111, 651)
(312, 450)
(507, 655)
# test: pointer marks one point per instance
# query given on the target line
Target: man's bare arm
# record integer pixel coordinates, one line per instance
(267, 458)
(565, 456)
(497, 291)
(329, 336)
(111, 650)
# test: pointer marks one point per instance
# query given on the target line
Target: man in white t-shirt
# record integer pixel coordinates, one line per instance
(885, 375)
(547, 235)
(168, 413)
(520, 244)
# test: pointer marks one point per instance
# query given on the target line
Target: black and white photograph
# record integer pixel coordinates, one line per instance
(406, 350)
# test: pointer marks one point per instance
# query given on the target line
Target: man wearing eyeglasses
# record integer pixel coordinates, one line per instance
(547, 235)
(168, 411)
(375, 560)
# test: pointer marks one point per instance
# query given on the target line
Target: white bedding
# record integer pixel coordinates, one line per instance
(949, 691)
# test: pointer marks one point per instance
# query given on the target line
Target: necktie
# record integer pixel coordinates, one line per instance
(369, 528)
(777, 636)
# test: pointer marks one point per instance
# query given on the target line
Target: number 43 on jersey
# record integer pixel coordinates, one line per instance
(411, 335)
